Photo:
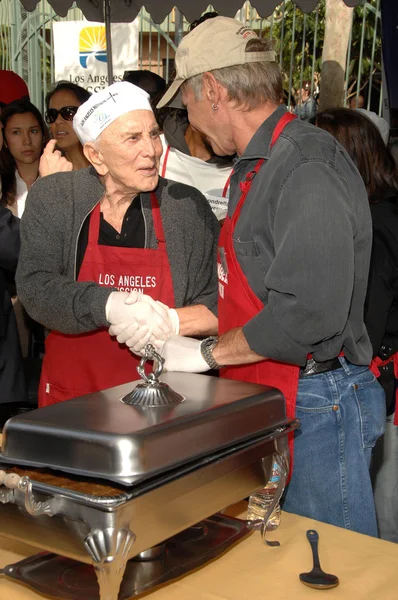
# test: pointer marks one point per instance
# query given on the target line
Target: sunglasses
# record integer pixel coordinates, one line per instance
(66, 112)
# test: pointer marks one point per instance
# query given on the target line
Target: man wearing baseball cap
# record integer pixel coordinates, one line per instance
(293, 261)
(115, 245)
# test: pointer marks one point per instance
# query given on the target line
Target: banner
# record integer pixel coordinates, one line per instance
(80, 52)
(389, 21)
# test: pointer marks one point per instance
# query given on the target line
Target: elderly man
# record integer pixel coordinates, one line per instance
(292, 264)
(114, 244)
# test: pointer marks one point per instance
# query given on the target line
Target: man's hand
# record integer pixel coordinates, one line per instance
(136, 324)
(172, 314)
(52, 161)
(183, 354)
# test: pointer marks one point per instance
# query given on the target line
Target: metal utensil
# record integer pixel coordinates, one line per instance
(317, 578)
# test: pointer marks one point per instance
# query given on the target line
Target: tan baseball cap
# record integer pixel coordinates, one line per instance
(214, 44)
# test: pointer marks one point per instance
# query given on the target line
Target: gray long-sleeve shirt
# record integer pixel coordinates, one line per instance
(56, 208)
(303, 240)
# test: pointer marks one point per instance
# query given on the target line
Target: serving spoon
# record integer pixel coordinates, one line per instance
(317, 578)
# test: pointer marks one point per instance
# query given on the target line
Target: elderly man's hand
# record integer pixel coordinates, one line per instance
(52, 161)
(182, 354)
(172, 314)
(136, 324)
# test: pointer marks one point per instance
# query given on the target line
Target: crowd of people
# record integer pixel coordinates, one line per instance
(233, 234)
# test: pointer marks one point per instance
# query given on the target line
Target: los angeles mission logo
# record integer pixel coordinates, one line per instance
(127, 283)
(222, 279)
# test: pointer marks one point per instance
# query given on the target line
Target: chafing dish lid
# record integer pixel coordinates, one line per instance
(99, 436)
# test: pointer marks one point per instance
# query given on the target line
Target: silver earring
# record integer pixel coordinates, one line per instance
(214, 107)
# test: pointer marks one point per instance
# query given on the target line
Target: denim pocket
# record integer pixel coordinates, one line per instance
(371, 404)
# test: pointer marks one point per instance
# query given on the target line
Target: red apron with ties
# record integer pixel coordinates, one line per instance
(75, 365)
(238, 304)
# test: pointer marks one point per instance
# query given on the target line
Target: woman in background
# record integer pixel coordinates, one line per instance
(363, 142)
(62, 104)
(25, 135)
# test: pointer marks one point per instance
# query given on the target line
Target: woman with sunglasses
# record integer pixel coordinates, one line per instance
(62, 104)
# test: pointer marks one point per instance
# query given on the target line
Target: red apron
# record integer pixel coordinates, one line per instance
(374, 367)
(238, 304)
(75, 365)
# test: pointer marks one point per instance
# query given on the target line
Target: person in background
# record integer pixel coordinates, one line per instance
(115, 245)
(293, 263)
(363, 142)
(13, 391)
(285, 100)
(25, 135)
(62, 103)
(187, 155)
(13, 379)
(189, 158)
(380, 122)
(12, 87)
(151, 83)
(357, 101)
(305, 108)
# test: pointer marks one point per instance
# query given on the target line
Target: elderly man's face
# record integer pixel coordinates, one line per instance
(131, 150)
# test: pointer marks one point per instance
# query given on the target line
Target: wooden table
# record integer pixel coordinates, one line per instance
(365, 566)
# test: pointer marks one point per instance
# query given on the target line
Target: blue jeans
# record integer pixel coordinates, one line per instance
(342, 414)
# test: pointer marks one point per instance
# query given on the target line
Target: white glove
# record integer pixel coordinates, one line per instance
(158, 306)
(136, 324)
(183, 354)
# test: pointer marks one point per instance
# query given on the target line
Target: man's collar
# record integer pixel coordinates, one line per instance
(260, 144)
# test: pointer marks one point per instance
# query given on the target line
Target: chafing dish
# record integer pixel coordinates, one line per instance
(102, 481)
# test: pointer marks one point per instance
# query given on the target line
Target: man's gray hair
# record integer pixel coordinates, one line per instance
(248, 85)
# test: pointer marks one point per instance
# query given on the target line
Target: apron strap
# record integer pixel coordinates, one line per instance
(157, 222)
(166, 158)
(94, 228)
(245, 185)
(283, 121)
(226, 186)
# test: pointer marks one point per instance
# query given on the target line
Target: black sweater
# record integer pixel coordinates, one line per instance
(381, 308)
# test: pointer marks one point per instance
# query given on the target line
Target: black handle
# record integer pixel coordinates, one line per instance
(313, 539)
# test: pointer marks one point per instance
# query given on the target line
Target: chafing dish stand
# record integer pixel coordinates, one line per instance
(115, 480)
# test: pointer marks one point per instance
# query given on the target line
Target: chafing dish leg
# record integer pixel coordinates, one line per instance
(109, 550)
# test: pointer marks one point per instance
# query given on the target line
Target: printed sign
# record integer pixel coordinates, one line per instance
(80, 52)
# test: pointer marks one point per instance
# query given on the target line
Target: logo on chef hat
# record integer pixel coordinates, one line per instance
(101, 117)
(92, 40)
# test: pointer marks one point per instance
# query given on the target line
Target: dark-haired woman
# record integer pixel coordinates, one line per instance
(62, 104)
(13, 392)
(362, 140)
(25, 135)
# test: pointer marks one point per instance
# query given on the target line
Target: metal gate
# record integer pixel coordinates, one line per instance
(26, 45)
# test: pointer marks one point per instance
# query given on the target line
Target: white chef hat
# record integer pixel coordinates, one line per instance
(104, 107)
